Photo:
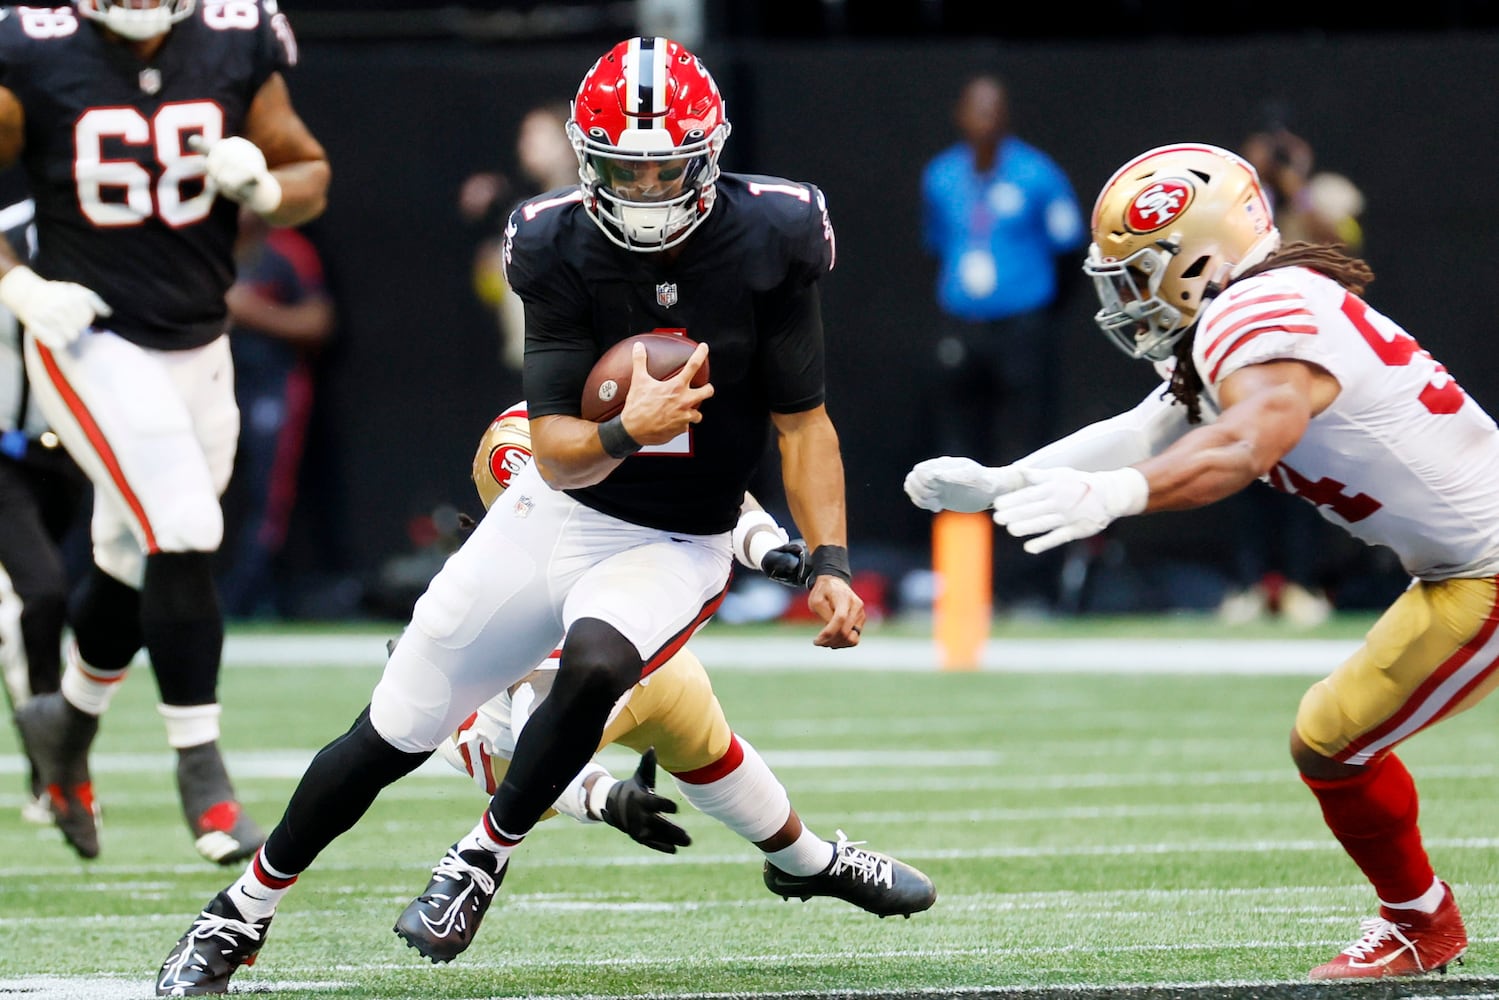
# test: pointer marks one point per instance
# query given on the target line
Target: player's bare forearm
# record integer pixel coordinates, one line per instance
(1217, 460)
(295, 158)
(568, 452)
(12, 128)
(812, 472)
(1202, 468)
(8, 256)
(304, 192)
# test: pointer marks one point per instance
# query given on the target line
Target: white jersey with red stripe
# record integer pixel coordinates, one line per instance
(1403, 457)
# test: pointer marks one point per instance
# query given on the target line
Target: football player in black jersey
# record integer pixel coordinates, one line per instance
(138, 154)
(615, 541)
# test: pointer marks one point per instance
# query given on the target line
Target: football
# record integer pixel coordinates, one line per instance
(609, 381)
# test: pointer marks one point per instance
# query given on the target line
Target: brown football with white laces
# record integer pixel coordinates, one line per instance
(609, 381)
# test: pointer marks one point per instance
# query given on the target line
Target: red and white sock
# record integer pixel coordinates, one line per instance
(86, 688)
(741, 792)
(258, 892)
(485, 836)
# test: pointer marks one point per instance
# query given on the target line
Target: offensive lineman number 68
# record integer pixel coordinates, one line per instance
(135, 197)
(167, 132)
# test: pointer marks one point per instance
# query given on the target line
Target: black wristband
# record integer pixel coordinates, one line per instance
(616, 440)
(830, 560)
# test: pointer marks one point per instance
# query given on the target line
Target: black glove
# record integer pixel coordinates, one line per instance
(788, 564)
(634, 807)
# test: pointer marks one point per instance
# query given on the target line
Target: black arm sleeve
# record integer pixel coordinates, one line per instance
(791, 347)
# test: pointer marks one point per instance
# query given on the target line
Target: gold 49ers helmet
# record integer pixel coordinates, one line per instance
(1171, 228)
(503, 451)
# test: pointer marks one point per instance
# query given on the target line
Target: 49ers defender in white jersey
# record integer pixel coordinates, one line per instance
(1278, 369)
(1402, 457)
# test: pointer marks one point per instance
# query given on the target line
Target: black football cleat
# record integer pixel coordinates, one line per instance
(442, 921)
(222, 831)
(57, 738)
(870, 880)
(219, 941)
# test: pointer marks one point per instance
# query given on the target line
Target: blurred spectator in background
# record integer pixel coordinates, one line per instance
(1282, 547)
(281, 315)
(547, 162)
(1002, 220)
(43, 496)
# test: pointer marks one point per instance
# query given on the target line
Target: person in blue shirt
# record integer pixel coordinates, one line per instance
(1003, 223)
(1005, 228)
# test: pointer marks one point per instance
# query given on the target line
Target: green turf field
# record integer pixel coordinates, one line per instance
(1084, 830)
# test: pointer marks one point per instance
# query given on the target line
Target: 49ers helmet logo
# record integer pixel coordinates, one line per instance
(505, 461)
(1158, 205)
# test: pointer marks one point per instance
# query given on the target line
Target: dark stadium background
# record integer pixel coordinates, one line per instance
(410, 98)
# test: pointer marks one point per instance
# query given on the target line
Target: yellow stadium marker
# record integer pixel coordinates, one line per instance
(962, 558)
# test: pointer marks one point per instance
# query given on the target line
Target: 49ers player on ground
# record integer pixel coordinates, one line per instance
(138, 154)
(674, 715)
(1278, 369)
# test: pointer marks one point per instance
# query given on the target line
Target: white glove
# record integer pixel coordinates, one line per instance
(56, 312)
(236, 169)
(1067, 504)
(959, 484)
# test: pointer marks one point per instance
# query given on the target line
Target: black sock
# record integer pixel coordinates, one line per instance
(106, 617)
(182, 626)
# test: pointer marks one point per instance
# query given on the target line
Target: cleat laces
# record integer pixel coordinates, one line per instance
(1374, 932)
(453, 868)
(865, 865)
(234, 935)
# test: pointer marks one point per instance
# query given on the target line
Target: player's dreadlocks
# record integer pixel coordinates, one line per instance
(1324, 258)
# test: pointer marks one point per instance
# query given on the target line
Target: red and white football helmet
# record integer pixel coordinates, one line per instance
(503, 451)
(1171, 228)
(136, 19)
(648, 125)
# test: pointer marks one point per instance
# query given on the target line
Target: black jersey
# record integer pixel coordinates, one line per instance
(745, 284)
(121, 205)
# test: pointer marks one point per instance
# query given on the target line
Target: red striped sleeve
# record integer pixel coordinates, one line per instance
(1241, 322)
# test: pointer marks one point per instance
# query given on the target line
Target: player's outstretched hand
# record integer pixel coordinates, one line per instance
(1063, 505)
(959, 484)
(634, 807)
(56, 312)
(237, 170)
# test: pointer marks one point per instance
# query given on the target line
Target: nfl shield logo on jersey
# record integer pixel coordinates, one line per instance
(666, 293)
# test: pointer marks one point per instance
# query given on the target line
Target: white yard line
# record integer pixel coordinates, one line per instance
(1103, 655)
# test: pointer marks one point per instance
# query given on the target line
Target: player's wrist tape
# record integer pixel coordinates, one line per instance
(598, 795)
(265, 196)
(616, 440)
(830, 560)
(755, 534)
